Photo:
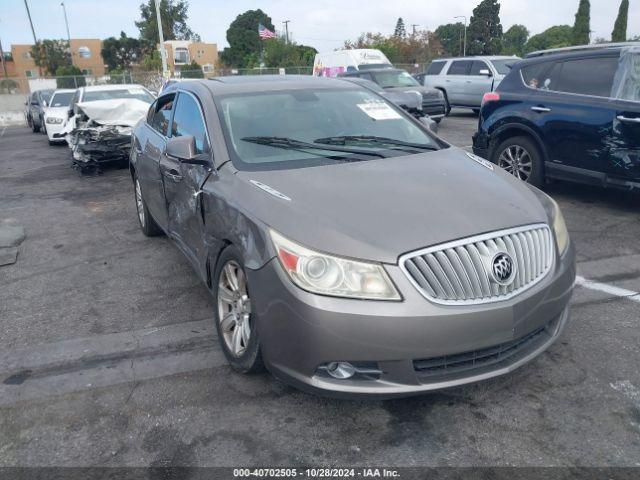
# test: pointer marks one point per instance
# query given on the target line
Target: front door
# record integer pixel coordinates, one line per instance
(183, 182)
(625, 140)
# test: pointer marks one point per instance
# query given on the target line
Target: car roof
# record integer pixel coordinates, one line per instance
(567, 55)
(479, 57)
(583, 49)
(64, 90)
(117, 86)
(260, 83)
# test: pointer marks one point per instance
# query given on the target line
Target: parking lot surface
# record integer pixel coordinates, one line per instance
(108, 353)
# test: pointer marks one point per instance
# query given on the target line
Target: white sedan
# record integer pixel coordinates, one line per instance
(56, 114)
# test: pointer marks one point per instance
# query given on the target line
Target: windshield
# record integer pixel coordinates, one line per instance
(297, 128)
(503, 67)
(133, 92)
(395, 79)
(61, 99)
(46, 95)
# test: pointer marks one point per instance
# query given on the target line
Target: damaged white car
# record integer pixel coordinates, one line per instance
(100, 122)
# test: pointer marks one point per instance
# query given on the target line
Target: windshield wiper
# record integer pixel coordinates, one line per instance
(371, 139)
(293, 144)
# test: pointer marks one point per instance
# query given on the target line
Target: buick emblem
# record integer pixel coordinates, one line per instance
(503, 269)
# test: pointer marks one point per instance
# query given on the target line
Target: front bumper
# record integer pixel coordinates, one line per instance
(434, 108)
(54, 132)
(299, 332)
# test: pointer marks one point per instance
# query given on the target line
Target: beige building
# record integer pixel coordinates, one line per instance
(183, 52)
(86, 54)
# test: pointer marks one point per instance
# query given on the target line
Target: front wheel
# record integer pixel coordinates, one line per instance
(234, 314)
(520, 157)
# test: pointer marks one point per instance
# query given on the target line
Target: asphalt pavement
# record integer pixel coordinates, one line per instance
(108, 354)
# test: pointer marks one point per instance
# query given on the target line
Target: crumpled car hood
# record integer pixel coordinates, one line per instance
(380, 209)
(122, 111)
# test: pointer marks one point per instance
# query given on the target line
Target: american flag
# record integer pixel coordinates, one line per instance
(265, 33)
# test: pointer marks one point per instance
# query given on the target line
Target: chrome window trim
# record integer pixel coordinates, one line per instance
(469, 240)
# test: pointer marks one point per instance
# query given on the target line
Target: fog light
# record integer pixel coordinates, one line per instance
(341, 370)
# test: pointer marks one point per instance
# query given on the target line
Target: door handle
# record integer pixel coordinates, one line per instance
(541, 109)
(173, 175)
(622, 118)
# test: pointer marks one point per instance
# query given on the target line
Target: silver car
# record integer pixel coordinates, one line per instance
(464, 81)
(347, 249)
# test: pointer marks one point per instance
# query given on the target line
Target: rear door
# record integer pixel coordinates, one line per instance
(150, 147)
(570, 103)
(456, 81)
(183, 182)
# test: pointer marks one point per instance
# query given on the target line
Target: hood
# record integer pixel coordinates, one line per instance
(60, 112)
(380, 209)
(406, 99)
(426, 92)
(121, 111)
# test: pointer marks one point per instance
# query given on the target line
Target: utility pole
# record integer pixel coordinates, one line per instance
(2, 60)
(413, 26)
(163, 52)
(35, 40)
(286, 29)
(464, 48)
(66, 22)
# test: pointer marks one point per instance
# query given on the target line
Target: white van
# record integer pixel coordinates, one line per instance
(334, 63)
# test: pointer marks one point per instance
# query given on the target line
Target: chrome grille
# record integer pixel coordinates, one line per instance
(460, 272)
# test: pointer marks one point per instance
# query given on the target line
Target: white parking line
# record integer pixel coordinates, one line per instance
(3, 130)
(610, 289)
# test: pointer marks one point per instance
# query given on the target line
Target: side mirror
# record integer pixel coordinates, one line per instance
(184, 149)
(429, 123)
(485, 72)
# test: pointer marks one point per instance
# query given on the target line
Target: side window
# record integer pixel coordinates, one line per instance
(460, 67)
(188, 121)
(477, 66)
(152, 110)
(543, 76)
(588, 76)
(162, 114)
(366, 76)
(435, 68)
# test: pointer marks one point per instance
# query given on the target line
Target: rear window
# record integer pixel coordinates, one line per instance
(435, 68)
(460, 67)
(587, 76)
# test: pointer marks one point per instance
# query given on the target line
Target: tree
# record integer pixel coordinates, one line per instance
(485, 31)
(420, 47)
(243, 38)
(582, 25)
(193, 70)
(152, 61)
(619, 33)
(120, 53)
(279, 53)
(555, 37)
(400, 31)
(173, 14)
(51, 54)
(71, 77)
(450, 36)
(514, 40)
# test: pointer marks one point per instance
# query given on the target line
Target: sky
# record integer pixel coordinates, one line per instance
(323, 24)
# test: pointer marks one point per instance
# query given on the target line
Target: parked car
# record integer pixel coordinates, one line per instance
(347, 248)
(464, 81)
(36, 103)
(100, 122)
(410, 101)
(56, 114)
(397, 80)
(331, 64)
(568, 114)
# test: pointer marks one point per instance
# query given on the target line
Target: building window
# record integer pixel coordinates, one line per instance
(26, 55)
(207, 68)
(181, 56)
(31, 73)
(84, 52)
(87, 71)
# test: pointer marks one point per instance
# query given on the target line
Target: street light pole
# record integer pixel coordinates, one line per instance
(35, 40)
(66, 22)
(286, 28)
(464, 48)
(163, 52)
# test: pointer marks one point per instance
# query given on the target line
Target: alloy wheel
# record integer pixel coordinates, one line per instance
(234, 308)
(517, 161)
(139, 204)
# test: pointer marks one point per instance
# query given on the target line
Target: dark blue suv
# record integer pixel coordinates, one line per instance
(570, 114)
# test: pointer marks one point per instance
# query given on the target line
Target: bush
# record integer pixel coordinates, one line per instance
(7, 85)
(192, 70)
(72, 77)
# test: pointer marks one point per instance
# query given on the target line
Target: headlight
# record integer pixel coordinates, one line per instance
(328, 275)
(560, 228)
(54, 120)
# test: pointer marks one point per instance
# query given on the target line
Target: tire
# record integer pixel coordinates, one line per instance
(476, 111)
(34, 128)
(233, 306)
(447, 105)
(44, 126)
(437, 120)
(147, 224)
(529, 166)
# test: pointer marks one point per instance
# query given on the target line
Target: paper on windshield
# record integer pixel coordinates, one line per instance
(379, 111)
